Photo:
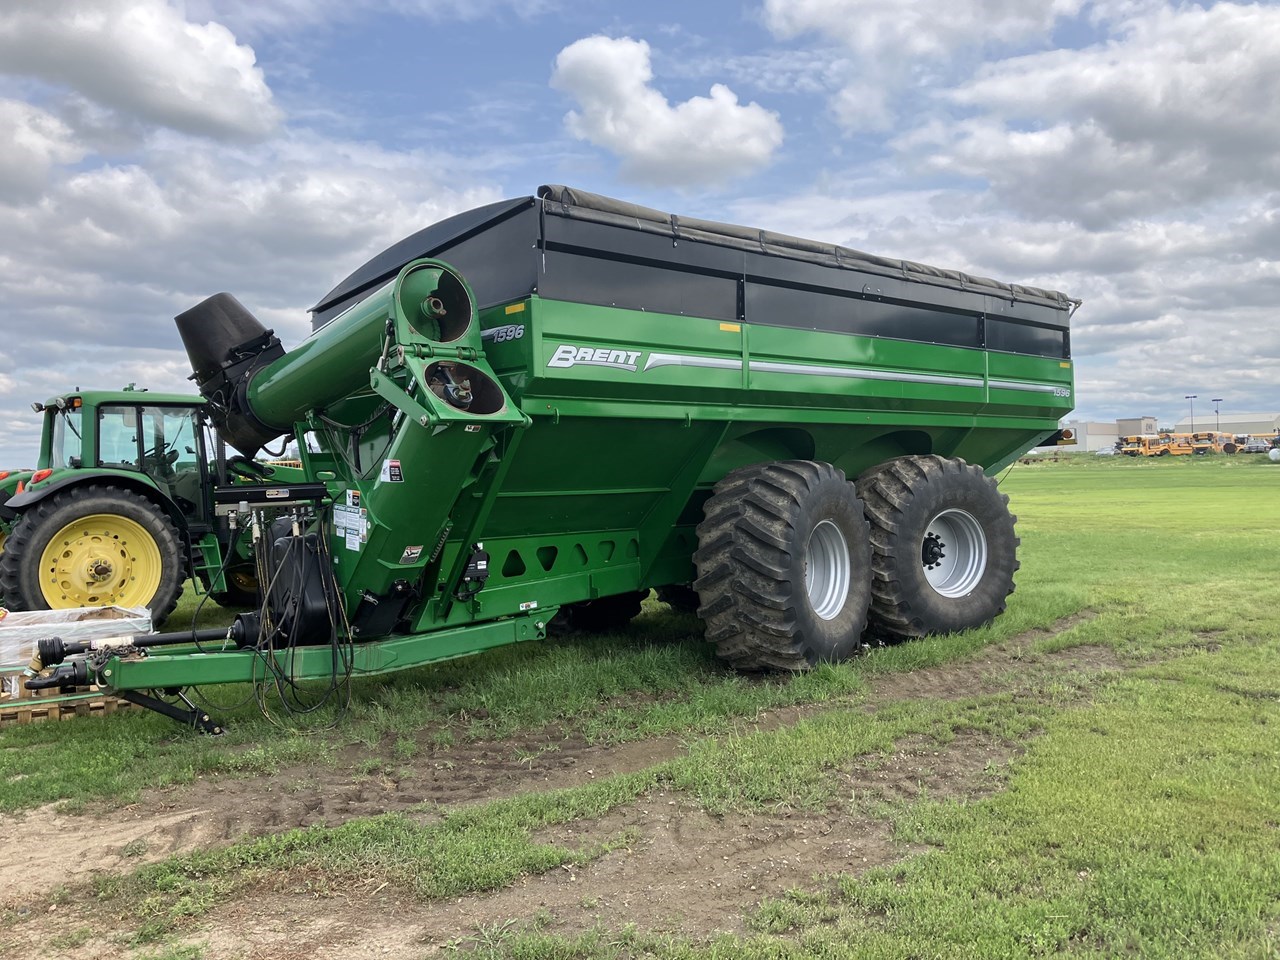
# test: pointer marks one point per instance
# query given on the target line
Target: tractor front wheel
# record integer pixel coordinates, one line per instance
(242, 587)
(93, 546)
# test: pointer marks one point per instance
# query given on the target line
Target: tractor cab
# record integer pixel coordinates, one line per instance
(161, 437)
(119, 507)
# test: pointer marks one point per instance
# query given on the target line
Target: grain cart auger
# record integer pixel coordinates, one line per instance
(795, 437)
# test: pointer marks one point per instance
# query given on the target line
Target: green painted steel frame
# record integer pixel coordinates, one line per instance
(183, 666)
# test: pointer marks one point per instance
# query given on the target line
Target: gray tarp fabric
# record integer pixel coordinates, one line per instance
(579, 204)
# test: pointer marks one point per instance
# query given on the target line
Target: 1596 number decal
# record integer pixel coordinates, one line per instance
(512, 331)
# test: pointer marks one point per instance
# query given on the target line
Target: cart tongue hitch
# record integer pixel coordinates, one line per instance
(298, 609)
(75, 673)
(66, 676)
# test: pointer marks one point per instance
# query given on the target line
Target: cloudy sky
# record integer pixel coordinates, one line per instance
(1126, 152)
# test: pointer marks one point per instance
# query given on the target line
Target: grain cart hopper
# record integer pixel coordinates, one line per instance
(555, 403)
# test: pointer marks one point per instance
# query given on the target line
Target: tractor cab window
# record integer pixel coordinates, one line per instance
(172, 454)
(118, 437)
(168, 440)
(65, 450)
(162, 442)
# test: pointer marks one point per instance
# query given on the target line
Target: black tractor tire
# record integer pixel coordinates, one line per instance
(20, 573)
(242, 587)
(911, 507)
(783, 559)
(604, 614)
(679, 597)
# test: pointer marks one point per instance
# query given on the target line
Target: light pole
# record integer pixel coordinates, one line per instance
(1192, 398)
(1217, 419)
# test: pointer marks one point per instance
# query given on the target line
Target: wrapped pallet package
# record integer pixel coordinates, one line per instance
(20, 631)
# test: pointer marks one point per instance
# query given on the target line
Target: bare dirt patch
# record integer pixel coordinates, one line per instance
(64, 848)
(58, 849)
(994, 667)
(1008, 666)
(969, 767)
(682, 870)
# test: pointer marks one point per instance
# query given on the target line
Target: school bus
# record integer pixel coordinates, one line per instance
(1212, 441)
(1157, 445)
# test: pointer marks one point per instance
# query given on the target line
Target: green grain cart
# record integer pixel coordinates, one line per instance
(794, 437)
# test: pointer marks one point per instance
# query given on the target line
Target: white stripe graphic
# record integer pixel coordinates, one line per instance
(859, 373)
(680, 360)
(656, 360)
(1026, 387)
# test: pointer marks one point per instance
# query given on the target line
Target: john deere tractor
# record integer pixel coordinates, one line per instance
(118, 509)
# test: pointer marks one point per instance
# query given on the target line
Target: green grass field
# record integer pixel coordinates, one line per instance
(1135, 812)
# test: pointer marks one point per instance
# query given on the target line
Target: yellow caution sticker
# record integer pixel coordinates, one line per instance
(1065, 365)
(515, 308)
(731, 327)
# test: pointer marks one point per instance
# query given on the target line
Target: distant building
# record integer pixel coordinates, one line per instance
(1264, 423)
(1136, 426)
(1092, 435)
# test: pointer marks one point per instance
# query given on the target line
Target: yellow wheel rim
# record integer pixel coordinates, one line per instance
(3, 537)
(99, 560)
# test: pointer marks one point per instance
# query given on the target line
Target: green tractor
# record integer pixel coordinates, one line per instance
(118, 510)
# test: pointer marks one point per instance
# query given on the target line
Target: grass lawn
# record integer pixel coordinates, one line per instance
(1138, 816)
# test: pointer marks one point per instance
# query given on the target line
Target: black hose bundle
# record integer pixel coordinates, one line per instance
(295, 568)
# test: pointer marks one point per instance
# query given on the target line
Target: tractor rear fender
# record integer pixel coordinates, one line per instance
(8, 488)
(126, 479)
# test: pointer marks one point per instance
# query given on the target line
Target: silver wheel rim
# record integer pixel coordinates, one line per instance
(827, 570)
(954, 553)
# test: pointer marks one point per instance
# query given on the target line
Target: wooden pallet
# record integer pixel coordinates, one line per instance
(39, 705)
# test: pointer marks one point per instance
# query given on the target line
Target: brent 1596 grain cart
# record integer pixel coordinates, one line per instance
(799, 435)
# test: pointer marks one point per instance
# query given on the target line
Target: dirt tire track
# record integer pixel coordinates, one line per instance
(686, 872)
(60, 849)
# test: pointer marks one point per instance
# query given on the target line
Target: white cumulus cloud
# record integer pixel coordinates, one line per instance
(1175, 110)
(142, 59)
(35, 141)
(900, 47)
(911, 31)
(704, 140)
